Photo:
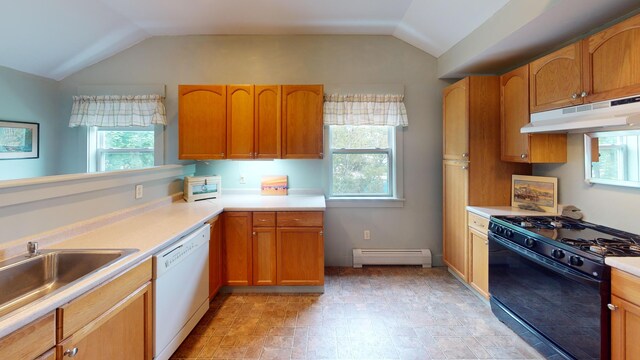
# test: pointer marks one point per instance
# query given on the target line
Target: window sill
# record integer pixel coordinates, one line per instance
(364, 202)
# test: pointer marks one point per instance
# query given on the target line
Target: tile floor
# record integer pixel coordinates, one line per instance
(370, 313)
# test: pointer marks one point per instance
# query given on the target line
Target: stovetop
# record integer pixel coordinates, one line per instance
(584, 237)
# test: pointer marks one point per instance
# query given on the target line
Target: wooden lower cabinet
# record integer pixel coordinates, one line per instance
(300, 256)
(215, 257)
(264, 256)
(237, 248)
(30, 341)
(625, 315)
(479, 262)
(123, 332)
(455, 200)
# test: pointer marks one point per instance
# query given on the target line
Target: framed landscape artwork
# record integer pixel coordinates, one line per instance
(19, 140)
(536, 193)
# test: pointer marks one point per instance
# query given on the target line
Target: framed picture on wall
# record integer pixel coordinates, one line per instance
(536, 193)
(19, 140)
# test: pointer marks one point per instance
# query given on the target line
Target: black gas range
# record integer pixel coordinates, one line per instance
(548, 281)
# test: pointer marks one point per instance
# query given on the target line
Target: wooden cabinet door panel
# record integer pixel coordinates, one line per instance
(556, 78)
(302, 129)
(215, 257)
(264, 256)
(300, 256)
(268, 123)
(455, 199)
(625, 329)
(202, 119)
(31, 340)
(514, 114)
(455, 108)
(237, 250)
(612, 61)
(123, 332)
(240, 121)
(479, 262)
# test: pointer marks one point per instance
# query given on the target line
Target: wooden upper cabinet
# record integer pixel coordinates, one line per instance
(514, 114)
(612, 61)
(302, 129)
(268, 125)
(455, 107)
(555, 80)
(240, 121)
(202, 119)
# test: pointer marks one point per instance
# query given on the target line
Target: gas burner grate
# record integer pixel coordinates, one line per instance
(606, 247)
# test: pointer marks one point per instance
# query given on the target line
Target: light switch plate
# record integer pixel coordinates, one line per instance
(139, 191)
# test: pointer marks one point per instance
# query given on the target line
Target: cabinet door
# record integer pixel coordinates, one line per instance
(215, 258)
(302, 121)
(625, 329)
(240, 121)
(479, 262)
(237, 248)
(300, 256)
(455, 197)
(455, 115)
(514, 114)
(202, 119)
(31, 340)
(123, 332)
(268, 124)
(555, 80)
(264, 256)
(612, 61)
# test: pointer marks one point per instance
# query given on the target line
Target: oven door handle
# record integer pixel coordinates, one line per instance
(548, 264)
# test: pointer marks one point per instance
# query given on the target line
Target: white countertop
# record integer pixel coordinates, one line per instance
(488, 211)
(626, 264)
(149, 232)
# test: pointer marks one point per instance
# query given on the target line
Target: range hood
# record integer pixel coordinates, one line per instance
(605, 115)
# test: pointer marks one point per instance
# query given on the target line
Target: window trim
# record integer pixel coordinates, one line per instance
(396, 199)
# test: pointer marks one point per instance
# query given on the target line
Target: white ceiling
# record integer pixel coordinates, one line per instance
(57, 38)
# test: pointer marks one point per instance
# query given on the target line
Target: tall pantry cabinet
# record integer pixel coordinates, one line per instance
(473, 173)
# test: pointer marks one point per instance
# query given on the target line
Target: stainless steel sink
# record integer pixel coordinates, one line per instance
(25, 279)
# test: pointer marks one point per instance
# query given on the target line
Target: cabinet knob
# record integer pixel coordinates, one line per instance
(465, 155)
(574, 96)
(584, 94)
(254, 233)
(71, 352)
(486, 242)
(321, 155)
(321, 233)
(465, 167)
(612, 307)
(523, 156)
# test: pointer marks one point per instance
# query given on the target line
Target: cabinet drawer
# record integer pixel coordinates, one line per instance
(79, 312)
(625, 285)
(264, 218)
(31, 340)
(300, 218)
(478, 222)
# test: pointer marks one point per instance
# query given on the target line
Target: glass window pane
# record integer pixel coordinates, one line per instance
(360, 137)
(126, 139)
(360, 174)
(127, 161)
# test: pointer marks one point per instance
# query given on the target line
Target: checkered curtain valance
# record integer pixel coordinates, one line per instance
(117, 111)
(365, 109)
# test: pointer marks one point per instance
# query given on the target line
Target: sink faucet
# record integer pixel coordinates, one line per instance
(32, 248)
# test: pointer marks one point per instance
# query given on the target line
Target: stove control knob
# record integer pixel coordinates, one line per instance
(508, 233)
(530, 243)
(557, 253)
(499, 229)
(576, 261)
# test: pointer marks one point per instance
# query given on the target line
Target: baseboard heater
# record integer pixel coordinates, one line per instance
(391, 257)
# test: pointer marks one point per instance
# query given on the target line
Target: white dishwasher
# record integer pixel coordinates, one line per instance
(180, 291)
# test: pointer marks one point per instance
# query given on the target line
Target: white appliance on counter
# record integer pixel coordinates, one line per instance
(180, 291)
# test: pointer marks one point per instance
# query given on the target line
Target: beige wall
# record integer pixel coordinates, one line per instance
(306, 59)
(613, 206)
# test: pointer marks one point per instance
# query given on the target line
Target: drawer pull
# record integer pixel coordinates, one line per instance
(71, 352)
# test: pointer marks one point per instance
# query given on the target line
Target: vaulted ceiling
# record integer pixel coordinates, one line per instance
(57, 38)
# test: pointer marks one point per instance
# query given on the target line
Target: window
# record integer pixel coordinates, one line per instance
(122, 148)
(362, 161)
(613, 158)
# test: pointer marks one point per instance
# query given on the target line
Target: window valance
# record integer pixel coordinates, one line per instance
(365, 109)
(117, 110)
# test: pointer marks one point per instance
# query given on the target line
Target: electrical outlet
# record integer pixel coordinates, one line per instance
(367, 235)
(139, 191)
(242, 179)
